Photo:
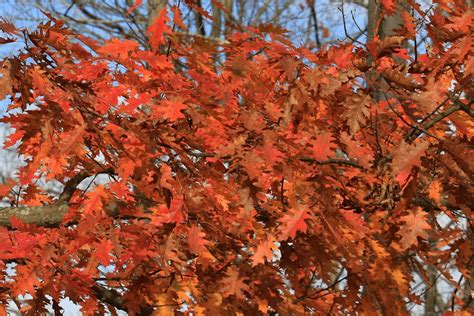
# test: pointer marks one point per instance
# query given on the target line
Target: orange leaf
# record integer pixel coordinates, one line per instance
(388, 6)
(293, 222)
(173, 214)
(157, 29)
(323, 147)
(196, 240)
(264, 250)
(119, 48)
(177, 19)
(415, 225)
(6, 187)
(103, 251)
(407, 156)
(233, 284)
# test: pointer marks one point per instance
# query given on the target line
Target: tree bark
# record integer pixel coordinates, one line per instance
(45, 215)
(154, 7)
(389, 22)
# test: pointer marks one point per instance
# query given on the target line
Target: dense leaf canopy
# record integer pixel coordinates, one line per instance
(273, 179)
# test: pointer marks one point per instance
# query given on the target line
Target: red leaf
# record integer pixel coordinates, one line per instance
(157, 29)
(8, 27)
(462, 23)
(173, 214)
(177, 19)
(293, 222)
(103, 251)
(409, 24)
(6, 40)
(270, 151)
(14, 138)
(323, 147)
(169, 110)
(198, 244)
(388, 5)
(407, 156)
(196, 241)
(93, 203)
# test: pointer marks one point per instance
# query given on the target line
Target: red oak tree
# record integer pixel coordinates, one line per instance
(274, 180)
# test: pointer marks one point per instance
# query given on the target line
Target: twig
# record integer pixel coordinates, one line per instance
(345, 26)
(415, 44)
(356, 24)
(420, 130)
(336, 282)
(331, 161)
(435, 120)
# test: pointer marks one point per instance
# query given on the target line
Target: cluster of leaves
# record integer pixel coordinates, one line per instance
(274, 180)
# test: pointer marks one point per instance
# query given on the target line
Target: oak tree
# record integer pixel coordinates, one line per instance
(273, 180)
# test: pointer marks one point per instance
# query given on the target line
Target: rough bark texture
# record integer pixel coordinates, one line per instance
(45, 215)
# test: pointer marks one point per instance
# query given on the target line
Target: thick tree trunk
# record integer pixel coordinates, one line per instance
(154, 7)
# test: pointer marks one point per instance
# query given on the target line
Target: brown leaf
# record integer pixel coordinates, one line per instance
(233, 284)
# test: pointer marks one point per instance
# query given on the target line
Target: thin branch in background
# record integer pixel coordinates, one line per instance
(69, 8)
(332, 285)
(282, 191)
(435, 281)
(17, 197)
(456, 290)
(356, 24)
(311, 4)
(200, 20)
(415, 44)
(341, 9)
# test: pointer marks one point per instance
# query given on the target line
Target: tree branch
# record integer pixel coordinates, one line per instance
(332, 161)
(458, 106)
(44, 215)
(109, 296)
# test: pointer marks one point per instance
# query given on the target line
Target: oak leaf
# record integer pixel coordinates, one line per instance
(233, 284)
(415, 225)
(103, 251)
(406, 157)
(157, 29)
(292, 222)
(265, 250)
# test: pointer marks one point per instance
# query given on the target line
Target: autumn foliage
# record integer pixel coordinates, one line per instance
(276, 179)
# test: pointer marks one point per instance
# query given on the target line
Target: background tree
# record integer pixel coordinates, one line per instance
(323, 175)
(310, 22)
